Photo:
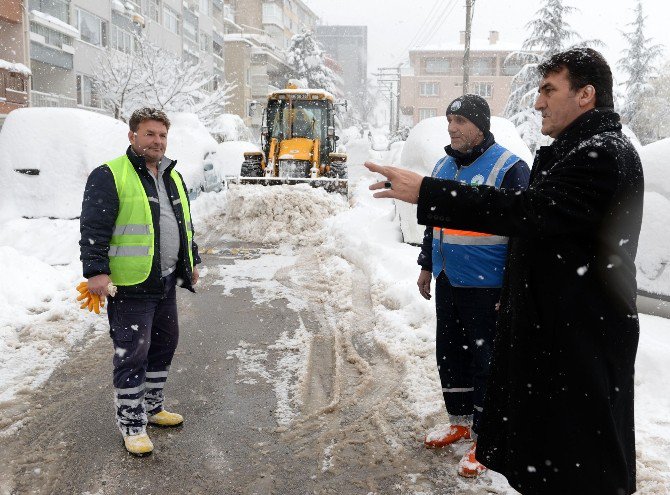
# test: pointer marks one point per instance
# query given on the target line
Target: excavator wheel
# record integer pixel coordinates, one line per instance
(338, 170)
(251, 169)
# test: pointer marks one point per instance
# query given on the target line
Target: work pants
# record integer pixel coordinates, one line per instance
(145, 333)
(466, 319)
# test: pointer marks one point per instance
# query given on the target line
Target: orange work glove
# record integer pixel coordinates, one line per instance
(92, 302)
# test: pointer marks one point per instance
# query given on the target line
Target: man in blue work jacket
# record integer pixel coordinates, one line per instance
(468, 270)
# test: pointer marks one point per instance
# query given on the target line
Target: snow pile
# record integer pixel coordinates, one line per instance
(230, 127)
(274, 214)
(64, 145)
(39, 317)
(228, 157)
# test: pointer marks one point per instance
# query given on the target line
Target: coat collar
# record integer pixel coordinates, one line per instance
(464, 159)
(587, 125)
(140, 164)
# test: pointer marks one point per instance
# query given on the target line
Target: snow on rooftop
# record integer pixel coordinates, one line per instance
(63, 26)
(14, 67)
(476, 44)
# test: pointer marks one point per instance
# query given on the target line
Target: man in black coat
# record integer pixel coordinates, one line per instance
(558, 415)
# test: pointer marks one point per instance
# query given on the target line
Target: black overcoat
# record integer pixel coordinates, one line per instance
(558, 415)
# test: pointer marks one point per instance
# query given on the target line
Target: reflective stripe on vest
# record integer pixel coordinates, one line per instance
(472, 259)
(131, 248)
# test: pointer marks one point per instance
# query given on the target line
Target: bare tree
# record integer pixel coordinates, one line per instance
(150, 76)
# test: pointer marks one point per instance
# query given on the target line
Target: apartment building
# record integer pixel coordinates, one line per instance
(68, 37)
(14, 62)
(348, 47)
(257, 34)
(435, 76)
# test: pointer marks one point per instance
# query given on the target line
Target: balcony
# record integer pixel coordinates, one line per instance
(228, 13)
(39, 99)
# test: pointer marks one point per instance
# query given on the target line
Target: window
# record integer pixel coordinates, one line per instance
(272, 14)
(426, 113)
(483, 66)
(151, 9)
(93, 29)
(437, 65)
(205, 42)
(429, 89)
(170, 19)
(121, 39)
(190, 25)
(189, 58)
(217, 49)
(60, 9)
(484, 89)
(15, 82)
(87, 93)
(204, 7)
(218, 81)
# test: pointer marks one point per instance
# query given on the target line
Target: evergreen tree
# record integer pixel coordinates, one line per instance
(549, 34)
(637, 64)
(305, 59)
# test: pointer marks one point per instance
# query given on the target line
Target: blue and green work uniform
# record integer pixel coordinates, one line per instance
(468, 270)
(136, 227)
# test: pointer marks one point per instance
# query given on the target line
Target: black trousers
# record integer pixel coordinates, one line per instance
(145, 335)
(466, 320)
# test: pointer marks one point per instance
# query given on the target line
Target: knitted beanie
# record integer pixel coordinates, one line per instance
(474, 108)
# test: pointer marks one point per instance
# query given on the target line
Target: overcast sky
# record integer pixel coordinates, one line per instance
(394, 24)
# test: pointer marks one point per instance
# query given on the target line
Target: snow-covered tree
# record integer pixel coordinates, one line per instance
(637, 63)
(118, 83)
(550, 33)
(150, 76)
(306, 61)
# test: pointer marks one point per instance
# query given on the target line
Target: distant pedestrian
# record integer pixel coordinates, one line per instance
(468, 270)
(136, 232)
(558, 411)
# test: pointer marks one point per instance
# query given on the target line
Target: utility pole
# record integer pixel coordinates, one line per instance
(388, 79)
(466, 54)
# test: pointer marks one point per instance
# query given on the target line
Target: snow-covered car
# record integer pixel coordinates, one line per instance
(425, 146)
(653, 256)
(46, 155)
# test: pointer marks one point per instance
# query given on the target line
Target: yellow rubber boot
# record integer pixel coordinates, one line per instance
(139, 445)
(165, 418)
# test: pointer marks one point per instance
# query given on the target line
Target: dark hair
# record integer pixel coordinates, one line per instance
(147, 113)
(585, 66)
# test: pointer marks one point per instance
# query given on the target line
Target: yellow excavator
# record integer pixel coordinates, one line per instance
(298, 142)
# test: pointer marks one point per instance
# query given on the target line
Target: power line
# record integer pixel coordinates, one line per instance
(447, 11)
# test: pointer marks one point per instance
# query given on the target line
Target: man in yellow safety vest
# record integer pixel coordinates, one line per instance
(136, 234)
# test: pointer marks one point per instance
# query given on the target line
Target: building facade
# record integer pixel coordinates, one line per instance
(14, 61)
(68, 38)
(348, 47)
(257, 34)
(435, 77)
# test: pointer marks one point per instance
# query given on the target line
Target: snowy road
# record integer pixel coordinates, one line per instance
(317, 410)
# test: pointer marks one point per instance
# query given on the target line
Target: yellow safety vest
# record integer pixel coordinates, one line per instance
(131, 249)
